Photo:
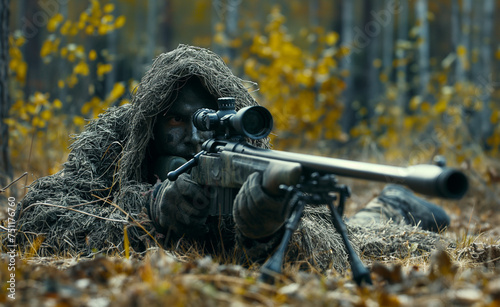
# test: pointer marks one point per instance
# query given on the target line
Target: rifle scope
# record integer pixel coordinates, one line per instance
(254, 122)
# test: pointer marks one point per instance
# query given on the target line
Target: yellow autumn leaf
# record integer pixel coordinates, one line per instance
(89, 30)
(343, 51)
(74, 30)
(71, 57)
(21, 40)
(21, 70)
(72, 80)
(37, 122)
(81, 69)
(108, 18)
(10, 122)
(120, 21)
(60, 83)
(78, 121)
(22, 130)
(66, 27)
(40, 99)
(441, 106)
(495, 115)
(383, 77)
(332, 38)
(64, 52)
(84, 16)
(219, 38)
(79, 50)
(57, 103)
(46, 115)
(46, 48)
(305, 77)
(425, 106)
(108, 8)
(322, 69)
(81, 25)
(54, 22)
(415, 102)
(86, 108)
(92, 55)
(333, 134)
(117, 91)
(461, 51)
(104, 29)
(103, 69)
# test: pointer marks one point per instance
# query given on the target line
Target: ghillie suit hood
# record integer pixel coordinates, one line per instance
(103, 189)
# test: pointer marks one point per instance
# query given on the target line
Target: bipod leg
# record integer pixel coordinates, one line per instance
(272, 268)
(360, 273)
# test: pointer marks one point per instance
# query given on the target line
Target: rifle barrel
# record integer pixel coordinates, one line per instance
(427, 179)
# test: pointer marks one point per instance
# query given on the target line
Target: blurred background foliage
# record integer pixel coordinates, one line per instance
(387, 81)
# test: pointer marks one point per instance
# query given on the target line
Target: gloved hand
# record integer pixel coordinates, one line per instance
(256, 213)
(181, 206)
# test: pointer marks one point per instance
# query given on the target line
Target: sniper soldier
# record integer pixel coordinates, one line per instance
(114, 179)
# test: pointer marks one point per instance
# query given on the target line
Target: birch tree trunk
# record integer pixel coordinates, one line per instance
(401, 71)
(486, 62)
(423, 47)
(5, 166)
(464, 43)
(455, 37)
(373, 30)
(476, 44)
(111, 42)
(388, 42)
(165, 25)
(313, 13)
(62, 67)
(232, 27)
(217, 18)
(346, 65)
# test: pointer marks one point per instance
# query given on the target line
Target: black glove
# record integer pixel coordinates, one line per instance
(181, 206)
(257, 214)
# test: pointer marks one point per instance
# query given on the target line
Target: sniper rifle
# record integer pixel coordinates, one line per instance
(228, 159)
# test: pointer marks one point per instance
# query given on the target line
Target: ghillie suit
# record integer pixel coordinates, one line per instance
(103, 187)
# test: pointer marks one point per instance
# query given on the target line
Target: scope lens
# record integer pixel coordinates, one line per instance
(254, 122)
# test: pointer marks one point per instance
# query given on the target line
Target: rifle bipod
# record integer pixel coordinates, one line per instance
(315, 191)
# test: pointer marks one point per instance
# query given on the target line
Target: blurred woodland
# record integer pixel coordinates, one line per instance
(387, 81)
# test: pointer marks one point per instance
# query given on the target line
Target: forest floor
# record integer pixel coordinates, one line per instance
(464, 274)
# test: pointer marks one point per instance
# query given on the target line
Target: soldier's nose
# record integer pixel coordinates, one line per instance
(196, 137)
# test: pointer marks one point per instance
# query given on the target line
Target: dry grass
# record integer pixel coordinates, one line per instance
(462, 275)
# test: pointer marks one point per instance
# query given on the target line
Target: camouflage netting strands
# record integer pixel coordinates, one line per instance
(318, 244)
(102, 188)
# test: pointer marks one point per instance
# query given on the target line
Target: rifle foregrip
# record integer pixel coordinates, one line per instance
(278, 173)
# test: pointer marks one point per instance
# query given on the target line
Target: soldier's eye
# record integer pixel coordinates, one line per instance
(176, 120)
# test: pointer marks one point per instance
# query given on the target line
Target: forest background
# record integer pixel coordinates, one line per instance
(387, 81)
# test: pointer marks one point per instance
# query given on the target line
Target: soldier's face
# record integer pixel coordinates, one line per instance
(174, 132)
